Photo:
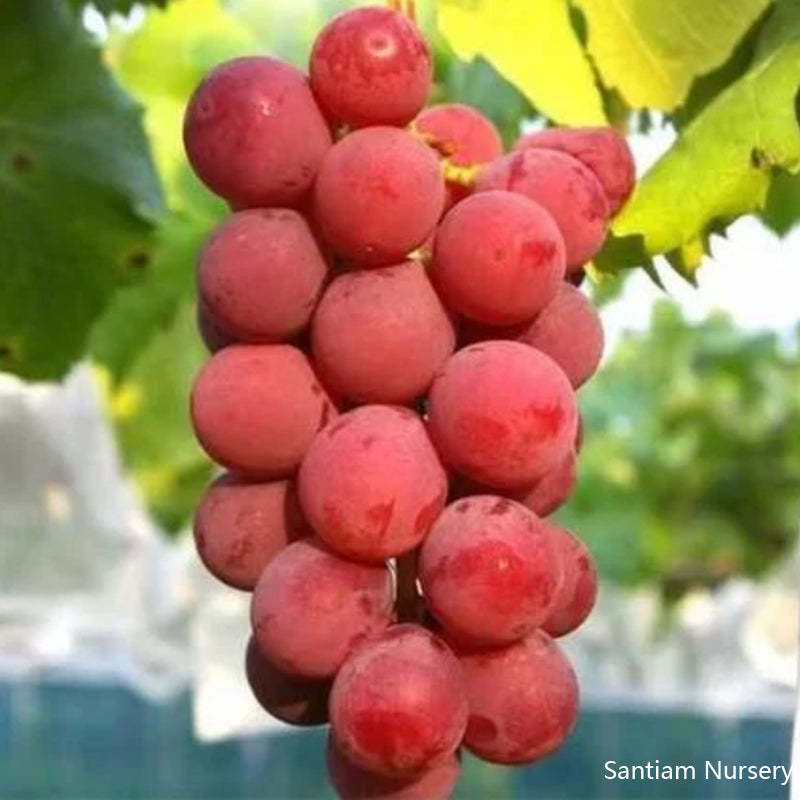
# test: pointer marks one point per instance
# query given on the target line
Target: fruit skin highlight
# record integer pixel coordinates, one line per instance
(256, 407)
(498, 258)
(523, 700)
(489, 571)
(311, 608)
(378, 196)
(379, 336)
(604, 151)
(563, 186)
(240, 526)
(371, 484)
(397, 705)
(241, 128)
(260, 274)
(502, 414)
(371, 66)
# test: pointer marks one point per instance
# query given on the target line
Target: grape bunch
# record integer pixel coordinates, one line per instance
(396, 345)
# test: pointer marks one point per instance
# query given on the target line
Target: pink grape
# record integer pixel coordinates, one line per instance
(498, 258)
(569, 330)
(604, 151)
(488, 570)
(551, 491)
(461, 135)
(311, 608)
(397, 705)
(290, 699)
(523, 700)
(577, 592)
(371, 66)
(240, 526)
(371, 484)
(354, 783)
(260, 274)
(564, 187)
(214, 338)
(378, 196)
(502, 414)
(379, 335)
(256, 408)
(254, 134)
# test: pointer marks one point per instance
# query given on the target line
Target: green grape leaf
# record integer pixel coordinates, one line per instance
(149, 412)
(782, 209)
(650, 51)
(108, 7)
(722, 164)
(531, 44)
(80, 193)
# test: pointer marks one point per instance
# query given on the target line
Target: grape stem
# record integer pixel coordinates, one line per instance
(409, 603)
(407, 7)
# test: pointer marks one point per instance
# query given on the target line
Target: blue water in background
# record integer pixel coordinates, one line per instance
(80, 741)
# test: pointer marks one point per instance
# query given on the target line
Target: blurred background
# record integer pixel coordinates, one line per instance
(121, 661)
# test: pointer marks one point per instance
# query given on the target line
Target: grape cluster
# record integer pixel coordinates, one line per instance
(396, 348)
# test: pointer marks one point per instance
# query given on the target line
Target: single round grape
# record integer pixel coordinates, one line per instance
(523, 700)
(379, 336)
(378, 196)
(551, 491)
(260, 274)
(214, 338)
(290, 699)
(354, 783)
(461, 135)
(311, 608)
(256, 407)
(502, 413)
(371, 66)
(240, 526)
(569, 330)
(254, 133)
(577, 592)
(563, 186)
(498, 258)
(603, 150)
(397, 705)
(488, 570)
(371, 484)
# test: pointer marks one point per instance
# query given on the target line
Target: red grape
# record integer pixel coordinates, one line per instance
(397, 705)
(488, 570)
(380, 335)
(214, 338)
(371, 484)
(569, 330)
(371, 66)
(378, 195)
(551, 491)
(564, 187)
(603, 150)
(577, 593)
(254, 134)
(311, 608)
(462, 135)
(502, 413)
(290, 699)
(240, 526)
(354, 783)
(256, 408)
(498, 258)
(260, 274)
(523, 700)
